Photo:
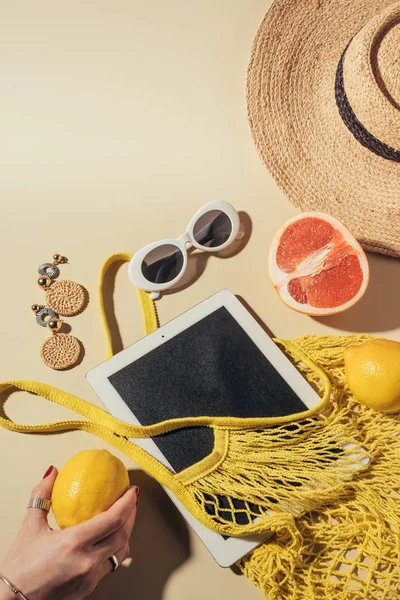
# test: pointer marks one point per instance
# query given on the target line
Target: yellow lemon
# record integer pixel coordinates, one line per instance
(88, 484)
(373, 374)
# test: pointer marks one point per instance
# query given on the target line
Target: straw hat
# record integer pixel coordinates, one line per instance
(323, 94)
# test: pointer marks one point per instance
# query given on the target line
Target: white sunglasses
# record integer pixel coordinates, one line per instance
(160, 265)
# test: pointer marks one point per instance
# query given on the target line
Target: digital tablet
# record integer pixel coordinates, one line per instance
(212, 360)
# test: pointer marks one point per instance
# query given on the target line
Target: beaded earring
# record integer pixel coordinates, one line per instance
(66, 298)
(61, 350)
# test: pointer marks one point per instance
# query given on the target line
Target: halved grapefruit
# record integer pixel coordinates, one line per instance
(317, 266)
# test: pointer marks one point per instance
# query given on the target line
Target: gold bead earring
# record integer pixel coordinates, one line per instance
(66, 298)
(60, 351)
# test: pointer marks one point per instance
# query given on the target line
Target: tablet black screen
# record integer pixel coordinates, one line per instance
(211, 368)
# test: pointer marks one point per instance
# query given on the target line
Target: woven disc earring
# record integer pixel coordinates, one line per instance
(61, 350)
(66, 298)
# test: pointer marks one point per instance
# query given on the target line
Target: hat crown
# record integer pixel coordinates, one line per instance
(371, 73)
(385, 61)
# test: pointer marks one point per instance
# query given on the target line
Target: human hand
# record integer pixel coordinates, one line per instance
(47, 564)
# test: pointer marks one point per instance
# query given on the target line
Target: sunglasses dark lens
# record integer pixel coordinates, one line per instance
(213, 229)
(162, 264)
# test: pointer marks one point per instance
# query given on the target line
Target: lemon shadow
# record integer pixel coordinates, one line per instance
(160, 545)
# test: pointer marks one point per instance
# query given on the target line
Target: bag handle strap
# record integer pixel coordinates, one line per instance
(148, 307)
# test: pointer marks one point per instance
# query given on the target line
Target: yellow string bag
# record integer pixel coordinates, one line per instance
(349, 548)
(296, 476)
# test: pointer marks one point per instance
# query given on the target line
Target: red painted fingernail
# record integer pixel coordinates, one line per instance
(49, 470)
(137, 493)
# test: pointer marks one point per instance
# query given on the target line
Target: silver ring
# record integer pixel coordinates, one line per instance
(37, 502)
(114, 561)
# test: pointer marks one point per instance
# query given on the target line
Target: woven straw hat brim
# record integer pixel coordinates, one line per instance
(296, 125)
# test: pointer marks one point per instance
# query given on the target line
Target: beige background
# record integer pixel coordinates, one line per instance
(118, 120)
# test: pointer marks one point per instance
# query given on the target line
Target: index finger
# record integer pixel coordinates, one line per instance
(108, 522)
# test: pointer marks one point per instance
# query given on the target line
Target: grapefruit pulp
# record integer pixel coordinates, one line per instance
(317, 266)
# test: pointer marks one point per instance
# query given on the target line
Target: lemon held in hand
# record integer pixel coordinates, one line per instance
(373, 374)
(88, 484)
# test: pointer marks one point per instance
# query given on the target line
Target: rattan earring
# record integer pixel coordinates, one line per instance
(61, 350)
(66, 298)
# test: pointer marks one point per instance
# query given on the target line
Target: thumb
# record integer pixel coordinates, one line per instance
(42, 490)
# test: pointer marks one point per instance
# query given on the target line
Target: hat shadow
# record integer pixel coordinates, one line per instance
(378, 310)
(160, 545)
(197, 260)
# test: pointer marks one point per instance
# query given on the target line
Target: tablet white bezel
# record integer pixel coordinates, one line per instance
(225, 552)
